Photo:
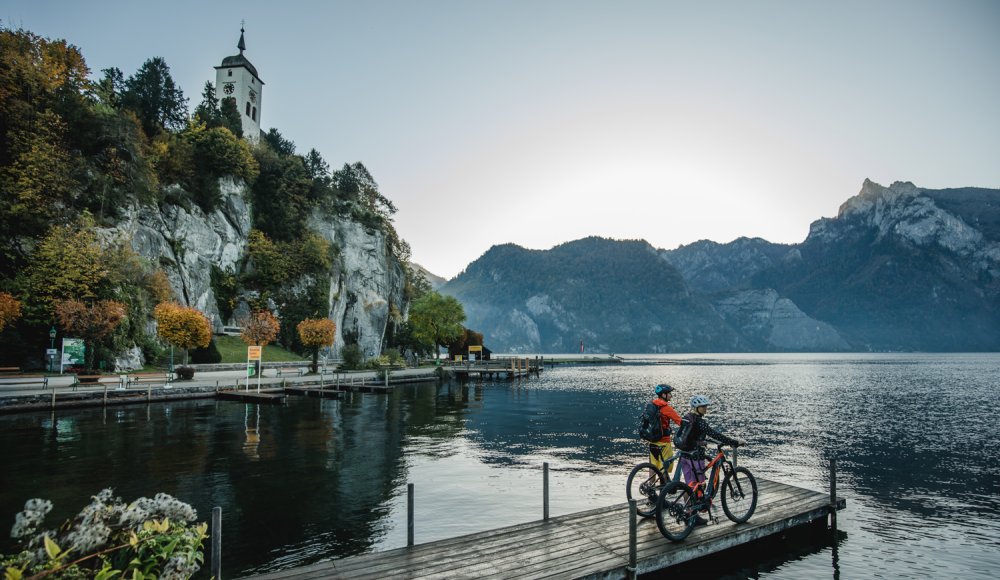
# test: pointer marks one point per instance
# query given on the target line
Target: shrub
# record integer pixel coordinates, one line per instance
(184, 373)
(351, 356)
(393, 356)
(207, 354)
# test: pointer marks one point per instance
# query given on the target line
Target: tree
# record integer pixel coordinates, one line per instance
(182, 326)
(230, 116)
(92, 323)
(153, 95)
(260, 328)
(10, 310)
(463, 341)
(317, 333)
(208, 109)
(280, 145)
(437, 319)
(315, 165)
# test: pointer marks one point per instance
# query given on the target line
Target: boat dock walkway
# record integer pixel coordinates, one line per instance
(593, 544)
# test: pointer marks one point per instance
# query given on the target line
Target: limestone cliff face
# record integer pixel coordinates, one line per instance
(761, 314)
(186, 243)
(366, 283)
(708, 266)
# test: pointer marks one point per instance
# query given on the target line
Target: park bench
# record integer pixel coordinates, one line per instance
(10, 371)
(150, 379)
(97, 380)
(24, 381)
(291, 371)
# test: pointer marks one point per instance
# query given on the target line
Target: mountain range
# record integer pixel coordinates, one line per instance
(898, 268)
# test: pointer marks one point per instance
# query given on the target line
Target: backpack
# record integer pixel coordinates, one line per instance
(684, 438)
(650, 426)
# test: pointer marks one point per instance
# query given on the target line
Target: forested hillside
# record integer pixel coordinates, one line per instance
(113, 191)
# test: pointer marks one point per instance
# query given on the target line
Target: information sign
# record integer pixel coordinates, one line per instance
(254, 353)
(476, 348)
(72, 352)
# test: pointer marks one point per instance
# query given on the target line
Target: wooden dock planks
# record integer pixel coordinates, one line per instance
(251, 397)
(315, 392)
(590, 544)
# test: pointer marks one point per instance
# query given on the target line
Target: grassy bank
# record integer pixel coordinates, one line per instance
(234, 350)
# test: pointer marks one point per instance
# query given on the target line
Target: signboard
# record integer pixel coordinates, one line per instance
(254, 353)
(51, 351)
(458, 358)
(72, 352)
(476, 349)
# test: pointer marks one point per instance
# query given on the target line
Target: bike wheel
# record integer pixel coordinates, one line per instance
(674, 515)
(642, 486)
(739, 495)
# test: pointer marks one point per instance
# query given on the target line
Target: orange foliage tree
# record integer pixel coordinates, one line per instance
(92, 323)
(317, 333)
(259, 329)
(182, 326)
(10, 310)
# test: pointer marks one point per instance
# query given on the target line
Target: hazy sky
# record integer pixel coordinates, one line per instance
(542, 122)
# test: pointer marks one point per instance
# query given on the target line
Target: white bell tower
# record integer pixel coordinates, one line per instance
(237, 78)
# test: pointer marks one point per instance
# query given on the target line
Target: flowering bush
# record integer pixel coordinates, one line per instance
(145, 540)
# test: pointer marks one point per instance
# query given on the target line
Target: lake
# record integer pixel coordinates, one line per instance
(914, 435)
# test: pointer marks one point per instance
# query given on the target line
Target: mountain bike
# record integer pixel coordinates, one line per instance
(678, 506)
(645, 483)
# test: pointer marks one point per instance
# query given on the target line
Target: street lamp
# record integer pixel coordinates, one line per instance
(52, 346)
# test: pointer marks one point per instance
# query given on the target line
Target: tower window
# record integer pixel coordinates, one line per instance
(248, 114)
(230, 72)
(254, 117)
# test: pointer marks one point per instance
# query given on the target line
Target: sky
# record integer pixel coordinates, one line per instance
(538, 123)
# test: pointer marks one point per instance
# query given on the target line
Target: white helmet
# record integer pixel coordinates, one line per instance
(699, 401)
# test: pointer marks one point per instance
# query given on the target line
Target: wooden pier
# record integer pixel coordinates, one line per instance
(252, 397)
(509, 368)
(593, 544)
(315, 392)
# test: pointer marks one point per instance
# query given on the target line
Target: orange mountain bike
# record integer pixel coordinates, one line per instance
(678, 505)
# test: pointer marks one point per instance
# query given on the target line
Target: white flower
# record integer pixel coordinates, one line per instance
(27, 521)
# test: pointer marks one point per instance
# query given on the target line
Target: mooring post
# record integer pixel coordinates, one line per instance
(409, 514)
(105, 394)
(217, 543)
(53, 397)
(736, 457)
(149, 392)
(833, 493)
(545, 491)
(630, 571)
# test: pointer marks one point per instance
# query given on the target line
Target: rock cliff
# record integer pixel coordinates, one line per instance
(364, 282)
(767, 321)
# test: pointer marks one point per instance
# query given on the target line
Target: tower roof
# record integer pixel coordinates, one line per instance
(239, 59)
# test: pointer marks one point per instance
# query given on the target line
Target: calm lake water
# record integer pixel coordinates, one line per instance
(916, 437)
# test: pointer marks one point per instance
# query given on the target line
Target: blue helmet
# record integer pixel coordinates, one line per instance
(700, 401)
(664, 388)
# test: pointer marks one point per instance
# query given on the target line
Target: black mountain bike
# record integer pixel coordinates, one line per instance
(678, 505)
(645, 484)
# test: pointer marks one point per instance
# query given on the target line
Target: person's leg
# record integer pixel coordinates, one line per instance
(656, 455)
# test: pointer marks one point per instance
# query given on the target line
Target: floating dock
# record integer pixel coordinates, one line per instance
(593, 544)
(315, 392)
(510, 368)
(252, 397)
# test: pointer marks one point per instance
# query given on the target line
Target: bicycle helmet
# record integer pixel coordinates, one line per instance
(664, 388)
(700, 401)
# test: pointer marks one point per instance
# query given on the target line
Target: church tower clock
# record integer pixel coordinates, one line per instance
(236, 78)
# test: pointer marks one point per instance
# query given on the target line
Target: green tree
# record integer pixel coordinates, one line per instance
(208, 109)
(153, 95)
(279, 144)
(230, 115)
(437, 319)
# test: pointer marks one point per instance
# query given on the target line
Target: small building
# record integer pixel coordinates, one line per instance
(238, 79)
(482, 354)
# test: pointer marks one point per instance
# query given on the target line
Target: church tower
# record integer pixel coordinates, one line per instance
(237, 78)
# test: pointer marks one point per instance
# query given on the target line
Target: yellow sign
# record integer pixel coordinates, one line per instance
(254, 353)
(458, 358)
(475, 349)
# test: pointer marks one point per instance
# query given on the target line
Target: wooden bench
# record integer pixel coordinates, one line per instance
(25, 381)
(97, 380)
(291, 370)
(10, 371)
(139, 379)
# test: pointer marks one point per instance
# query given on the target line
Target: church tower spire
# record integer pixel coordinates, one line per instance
(237, 79)
(242, 44)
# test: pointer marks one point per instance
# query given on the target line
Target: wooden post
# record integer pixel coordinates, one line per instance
(545, 491)
(736, 457)
(409, 514)
(149, 392)
(105, 394)
(833, 493)
(53, 397)
(630, 571)
(217, 543)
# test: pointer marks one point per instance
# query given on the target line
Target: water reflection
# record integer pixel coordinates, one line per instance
(315, 479)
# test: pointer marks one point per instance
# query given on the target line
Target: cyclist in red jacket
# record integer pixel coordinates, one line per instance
(662, 449)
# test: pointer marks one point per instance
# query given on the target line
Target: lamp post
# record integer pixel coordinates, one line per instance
(52, 346)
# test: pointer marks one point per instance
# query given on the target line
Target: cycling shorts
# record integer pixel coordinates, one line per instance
(658, 452)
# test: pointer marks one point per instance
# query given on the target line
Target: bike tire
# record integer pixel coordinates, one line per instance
(674, 515)
(739, 495)
(644, 494)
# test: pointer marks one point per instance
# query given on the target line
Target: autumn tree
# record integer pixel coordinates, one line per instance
(437, 319)
(462, 342)
(182, 326)
(317, 333)
(10, 310)
(90, 322)
(259, 329)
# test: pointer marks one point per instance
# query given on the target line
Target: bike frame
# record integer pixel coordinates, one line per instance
(703, 492)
